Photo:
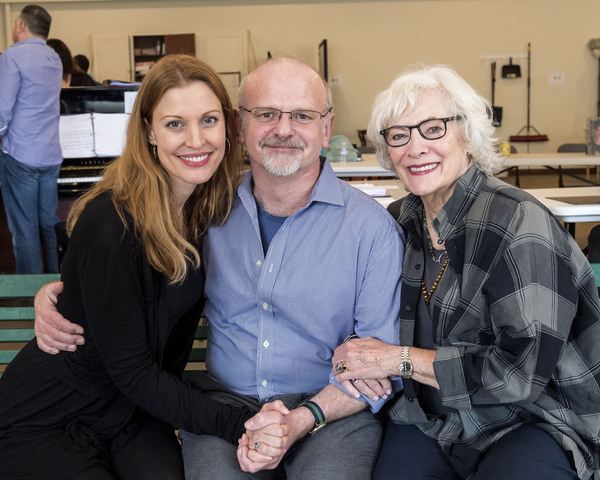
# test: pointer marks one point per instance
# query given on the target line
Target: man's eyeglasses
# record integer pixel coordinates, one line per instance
(432, 129)
(271, 116)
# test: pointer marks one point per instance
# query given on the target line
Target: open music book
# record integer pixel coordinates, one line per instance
(93, 134)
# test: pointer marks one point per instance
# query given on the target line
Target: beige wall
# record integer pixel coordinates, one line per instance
(371, 42)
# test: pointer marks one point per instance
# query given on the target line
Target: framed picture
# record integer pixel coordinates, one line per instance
(593, 136)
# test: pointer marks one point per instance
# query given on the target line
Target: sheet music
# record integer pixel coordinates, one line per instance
(110, 133)
(76, 134)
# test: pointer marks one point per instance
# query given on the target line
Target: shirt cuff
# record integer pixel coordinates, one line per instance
(374, 404)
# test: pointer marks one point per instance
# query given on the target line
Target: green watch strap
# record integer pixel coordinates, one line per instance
(316, 411)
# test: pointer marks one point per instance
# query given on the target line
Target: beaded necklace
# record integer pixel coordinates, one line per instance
(427, 295)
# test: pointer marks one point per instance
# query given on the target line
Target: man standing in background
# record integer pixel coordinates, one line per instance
(30, 153)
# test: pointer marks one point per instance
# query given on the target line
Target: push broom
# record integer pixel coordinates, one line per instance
(528, 136)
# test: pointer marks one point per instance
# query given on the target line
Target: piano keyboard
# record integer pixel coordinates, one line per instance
(64, 180)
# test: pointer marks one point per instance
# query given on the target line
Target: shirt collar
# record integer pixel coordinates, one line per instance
(33, 40)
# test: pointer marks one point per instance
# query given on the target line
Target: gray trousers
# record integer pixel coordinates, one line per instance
(345, 449)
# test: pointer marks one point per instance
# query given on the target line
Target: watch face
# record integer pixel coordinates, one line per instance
(405, 369)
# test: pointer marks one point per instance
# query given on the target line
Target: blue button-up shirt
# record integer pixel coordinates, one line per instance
(332, 269)
(30, 83)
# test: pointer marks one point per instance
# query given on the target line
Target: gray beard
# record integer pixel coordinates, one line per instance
(282, 165)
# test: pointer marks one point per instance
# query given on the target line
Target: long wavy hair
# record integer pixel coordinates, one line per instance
(461, 99)
(139, 184)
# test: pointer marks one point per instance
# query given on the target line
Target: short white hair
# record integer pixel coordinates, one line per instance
(402, 96)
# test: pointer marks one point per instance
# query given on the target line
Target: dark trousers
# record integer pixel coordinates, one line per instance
(154, 453)
(523, 454)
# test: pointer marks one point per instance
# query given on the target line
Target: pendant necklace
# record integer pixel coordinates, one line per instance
(427, 295)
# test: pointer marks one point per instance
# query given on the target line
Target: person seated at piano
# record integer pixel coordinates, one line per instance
(499, 311)
(133, 278)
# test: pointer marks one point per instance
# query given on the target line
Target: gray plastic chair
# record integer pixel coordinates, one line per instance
(572, 148)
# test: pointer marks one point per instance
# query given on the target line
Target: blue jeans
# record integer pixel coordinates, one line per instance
(30, 199)
(344, 450)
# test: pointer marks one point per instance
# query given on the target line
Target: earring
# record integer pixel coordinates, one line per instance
(228, 145)
(155, 152)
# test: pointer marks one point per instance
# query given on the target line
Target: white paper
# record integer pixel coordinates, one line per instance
(129, 98)
(110, 133)
(371, 189)
(76, 134)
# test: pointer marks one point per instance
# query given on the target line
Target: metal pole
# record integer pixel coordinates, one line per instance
(528, 85)
(598, 87)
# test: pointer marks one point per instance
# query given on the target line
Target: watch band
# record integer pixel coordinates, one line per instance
(406, 366)
(320, 420)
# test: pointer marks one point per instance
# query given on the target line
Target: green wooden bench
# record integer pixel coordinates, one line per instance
(17, 315)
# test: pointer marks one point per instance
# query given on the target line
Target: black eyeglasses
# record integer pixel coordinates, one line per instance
(271, 116)
(432, 129)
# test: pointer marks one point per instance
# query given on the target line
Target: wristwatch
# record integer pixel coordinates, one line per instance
(320, 420)
(406, 366)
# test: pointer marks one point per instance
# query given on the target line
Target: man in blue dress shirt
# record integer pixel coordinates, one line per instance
(303, 261)
(30, 153)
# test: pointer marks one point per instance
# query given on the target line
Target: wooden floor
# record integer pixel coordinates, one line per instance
(528, 179)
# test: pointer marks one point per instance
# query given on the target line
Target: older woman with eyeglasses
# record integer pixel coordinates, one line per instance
(500, 319)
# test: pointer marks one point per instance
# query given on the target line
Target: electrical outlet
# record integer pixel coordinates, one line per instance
(335, 81)
(557, 78)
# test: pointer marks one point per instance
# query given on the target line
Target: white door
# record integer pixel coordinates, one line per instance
(112, 57)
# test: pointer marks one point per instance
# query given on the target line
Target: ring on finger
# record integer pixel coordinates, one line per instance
(256, 445)
(341, 367)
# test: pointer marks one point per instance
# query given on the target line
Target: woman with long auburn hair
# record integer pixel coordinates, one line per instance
(133, 279)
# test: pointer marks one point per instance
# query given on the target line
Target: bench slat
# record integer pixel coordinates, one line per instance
(17, 313)
(16, 334)
(17, 287)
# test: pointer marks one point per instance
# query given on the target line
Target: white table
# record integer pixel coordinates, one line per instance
(393, 188)
(570, 212)
(368, 167)
(553, 161)
(550, 160)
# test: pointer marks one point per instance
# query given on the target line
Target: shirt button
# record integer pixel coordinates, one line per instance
(264, 383)
(418, 266)
(258, 263)
(408, 308)
(265, 306)
(266, 344)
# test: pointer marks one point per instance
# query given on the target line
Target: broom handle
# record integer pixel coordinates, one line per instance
(528, 84)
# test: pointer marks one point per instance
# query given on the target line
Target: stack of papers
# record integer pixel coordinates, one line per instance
(371, 190)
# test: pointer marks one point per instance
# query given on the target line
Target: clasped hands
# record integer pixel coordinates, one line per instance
(267, 438)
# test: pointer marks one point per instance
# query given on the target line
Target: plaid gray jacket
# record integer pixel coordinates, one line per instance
(516, 324)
